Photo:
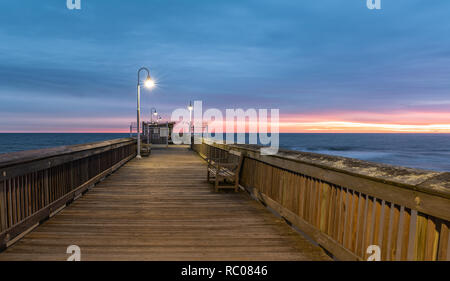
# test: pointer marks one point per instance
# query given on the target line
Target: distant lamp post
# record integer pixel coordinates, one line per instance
(190, 108)
(153, 112)
(149, 83)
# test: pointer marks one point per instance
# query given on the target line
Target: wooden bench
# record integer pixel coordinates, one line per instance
(146, 149)
(224, 172)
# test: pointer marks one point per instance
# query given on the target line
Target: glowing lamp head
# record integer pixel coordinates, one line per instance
(190, 107)
(155, 113)
(149, 83)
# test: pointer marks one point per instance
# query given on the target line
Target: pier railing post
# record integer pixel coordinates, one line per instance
(3, 224)
(138, 155)
(167, 137)
(148, 134)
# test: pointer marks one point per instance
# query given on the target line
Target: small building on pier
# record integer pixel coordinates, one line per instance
(158, 133)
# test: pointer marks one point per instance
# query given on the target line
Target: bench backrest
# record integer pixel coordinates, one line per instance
(239, 159)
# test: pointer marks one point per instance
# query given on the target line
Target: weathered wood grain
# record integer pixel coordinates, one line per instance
(161, 208)
(403, 211)
(444, 245)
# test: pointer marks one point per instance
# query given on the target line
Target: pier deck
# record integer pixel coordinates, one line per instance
(161, 208)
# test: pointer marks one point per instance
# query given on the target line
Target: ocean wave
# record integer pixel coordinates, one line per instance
(363, 155)
(332, 148)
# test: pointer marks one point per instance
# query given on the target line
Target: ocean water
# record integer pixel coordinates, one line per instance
(19, 142)
(423, 151)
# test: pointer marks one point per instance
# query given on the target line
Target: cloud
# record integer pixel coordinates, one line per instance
(299, 56)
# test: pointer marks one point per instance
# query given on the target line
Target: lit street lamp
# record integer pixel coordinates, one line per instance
(149, 83)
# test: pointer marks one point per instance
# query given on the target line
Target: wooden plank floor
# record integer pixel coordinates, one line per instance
(161, 208)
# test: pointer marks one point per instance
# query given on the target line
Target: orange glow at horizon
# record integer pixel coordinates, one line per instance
(330, 122)
(347, 127)
(368, 122)
(355, 127)
(361, 122)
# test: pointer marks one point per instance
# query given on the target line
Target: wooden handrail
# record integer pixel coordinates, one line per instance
(14, 158)
(346, 205)
(34, 185)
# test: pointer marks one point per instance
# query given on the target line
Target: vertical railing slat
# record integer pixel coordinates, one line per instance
(384, 243)
(444, 245)
(394, 230)
(432, 239)
(337, 218)
(362, 220)
(354, 224)
(3, 211)
(420, 238)
(332, 211)
(370, 223)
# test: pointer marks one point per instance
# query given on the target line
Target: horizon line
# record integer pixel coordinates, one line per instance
(300, 132)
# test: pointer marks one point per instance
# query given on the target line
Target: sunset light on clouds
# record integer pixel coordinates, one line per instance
(368, 122)
(333, 122)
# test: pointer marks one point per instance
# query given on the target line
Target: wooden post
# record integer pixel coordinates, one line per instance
(385, 231)
(432, 239)
(148, 134)
(393, 247)
(444, 245)
(3, 223)
(420, 239)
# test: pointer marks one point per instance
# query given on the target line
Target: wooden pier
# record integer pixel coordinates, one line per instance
(161, 208)
(115, 207)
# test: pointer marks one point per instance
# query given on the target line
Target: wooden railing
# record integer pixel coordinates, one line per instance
(34, 185)
(347, 205)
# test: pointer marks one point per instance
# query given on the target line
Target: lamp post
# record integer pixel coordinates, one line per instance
(148, 83)
(152, 112)
(190, 108)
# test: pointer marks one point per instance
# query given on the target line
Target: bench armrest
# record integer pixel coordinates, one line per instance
(216, 160)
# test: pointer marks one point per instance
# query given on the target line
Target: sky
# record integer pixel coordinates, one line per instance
(327, 65)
